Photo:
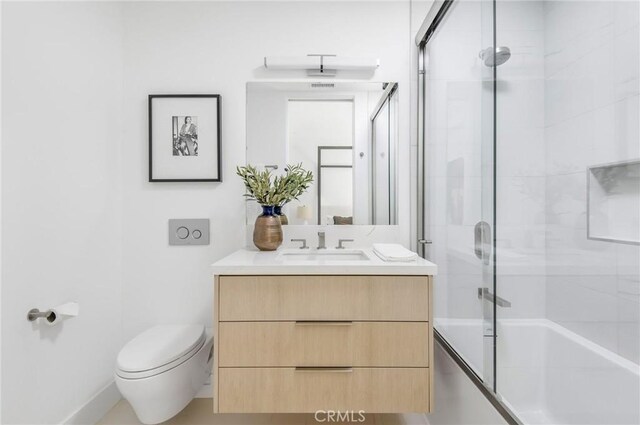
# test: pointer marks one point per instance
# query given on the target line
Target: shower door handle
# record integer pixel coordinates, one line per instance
(482, 241)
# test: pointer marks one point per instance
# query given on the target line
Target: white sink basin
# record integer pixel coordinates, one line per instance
(323, 255)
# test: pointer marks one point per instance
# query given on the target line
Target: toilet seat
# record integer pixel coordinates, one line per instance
(159, 349)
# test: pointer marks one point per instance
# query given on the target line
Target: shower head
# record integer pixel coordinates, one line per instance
(495, 58)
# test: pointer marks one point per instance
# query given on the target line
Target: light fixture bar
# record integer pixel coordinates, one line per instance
(321, 64)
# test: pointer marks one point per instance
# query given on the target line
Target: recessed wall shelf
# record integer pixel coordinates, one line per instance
(613, 202)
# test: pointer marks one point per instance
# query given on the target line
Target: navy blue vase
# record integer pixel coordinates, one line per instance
(277, 210)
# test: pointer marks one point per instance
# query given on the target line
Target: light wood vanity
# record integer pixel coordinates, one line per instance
(293, 343)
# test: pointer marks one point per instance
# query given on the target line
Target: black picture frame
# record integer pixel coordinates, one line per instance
(217, 117)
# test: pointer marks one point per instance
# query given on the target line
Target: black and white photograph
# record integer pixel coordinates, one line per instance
(185, 135)
(185, 138)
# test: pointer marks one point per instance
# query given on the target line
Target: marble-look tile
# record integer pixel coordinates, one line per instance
(559, 55)
(521, 200)
(527, 15)
(566, 200)
(461, 67)
(626, 15)
(527, 242)
(526, 294)
(521, 151)
(568, 300)
(628, 308)
(615, 132)
(567, 21)
(626, 59)
(580, 87)
(628, 341)
(570, 144)
(520, 103)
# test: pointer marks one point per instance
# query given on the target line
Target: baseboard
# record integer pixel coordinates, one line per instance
(96, 408)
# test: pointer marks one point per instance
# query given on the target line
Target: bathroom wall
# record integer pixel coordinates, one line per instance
(520, 166)
(217, 47)
(61, 185)
(78, 214)
(592, 58)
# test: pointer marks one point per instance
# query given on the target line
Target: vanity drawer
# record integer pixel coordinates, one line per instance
(276, 344)
(289, 390)
(381, 298)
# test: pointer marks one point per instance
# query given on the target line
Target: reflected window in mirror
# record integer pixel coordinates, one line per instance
(346, 133)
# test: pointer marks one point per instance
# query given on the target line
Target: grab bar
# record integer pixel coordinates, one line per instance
(483, 293)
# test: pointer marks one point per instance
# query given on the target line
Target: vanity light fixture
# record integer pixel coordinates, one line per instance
(321, 65)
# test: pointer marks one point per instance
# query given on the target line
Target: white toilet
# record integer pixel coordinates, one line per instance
(160, 371)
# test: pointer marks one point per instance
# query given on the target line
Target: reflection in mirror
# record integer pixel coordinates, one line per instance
(346, 133)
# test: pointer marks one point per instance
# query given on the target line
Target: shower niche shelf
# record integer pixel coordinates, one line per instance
(613, 202)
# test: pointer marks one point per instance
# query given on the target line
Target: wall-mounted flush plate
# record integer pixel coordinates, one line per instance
(189, 231)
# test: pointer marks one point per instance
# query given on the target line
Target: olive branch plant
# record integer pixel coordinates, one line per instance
(270, 190)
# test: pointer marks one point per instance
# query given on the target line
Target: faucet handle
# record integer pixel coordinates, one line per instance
(341, 242)
(304, 243)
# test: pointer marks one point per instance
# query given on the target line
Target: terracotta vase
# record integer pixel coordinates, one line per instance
(267, 233)
(277, 210)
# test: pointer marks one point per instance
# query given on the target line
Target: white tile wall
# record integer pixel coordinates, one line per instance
(592, 59)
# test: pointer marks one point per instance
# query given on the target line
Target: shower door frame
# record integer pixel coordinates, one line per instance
(432, 22)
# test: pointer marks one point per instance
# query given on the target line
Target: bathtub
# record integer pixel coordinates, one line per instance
(547, 374)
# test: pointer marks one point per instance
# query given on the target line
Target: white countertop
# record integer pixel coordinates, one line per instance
(250, 261)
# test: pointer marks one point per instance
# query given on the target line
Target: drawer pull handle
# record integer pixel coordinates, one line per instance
(346, 369)
(324, 322)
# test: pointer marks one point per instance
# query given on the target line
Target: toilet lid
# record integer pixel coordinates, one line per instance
(159, 346)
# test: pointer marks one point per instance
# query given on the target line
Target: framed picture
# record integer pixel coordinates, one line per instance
(185, 138)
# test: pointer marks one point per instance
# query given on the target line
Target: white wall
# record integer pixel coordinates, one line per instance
(79, 219)
(61, 228)
(216, 47)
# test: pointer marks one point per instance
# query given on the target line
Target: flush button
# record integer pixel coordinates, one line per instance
(183, 233)
(188, 231)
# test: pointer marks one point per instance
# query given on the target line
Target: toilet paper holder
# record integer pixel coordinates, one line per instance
(35, 314)
(56, 314)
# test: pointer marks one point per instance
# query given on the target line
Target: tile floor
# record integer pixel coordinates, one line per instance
(199, 413)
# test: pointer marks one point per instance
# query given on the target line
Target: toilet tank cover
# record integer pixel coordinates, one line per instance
(158, 346)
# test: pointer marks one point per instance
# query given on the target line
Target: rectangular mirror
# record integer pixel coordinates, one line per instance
(344, 132)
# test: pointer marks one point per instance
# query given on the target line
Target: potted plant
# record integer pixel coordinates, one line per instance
(294, 183)
(269, 192)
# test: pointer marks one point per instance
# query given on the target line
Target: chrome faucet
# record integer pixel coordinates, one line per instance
(304, 243)
(321, 243)
(341, 243)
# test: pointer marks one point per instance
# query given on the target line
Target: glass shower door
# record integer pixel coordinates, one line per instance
(458, 143)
